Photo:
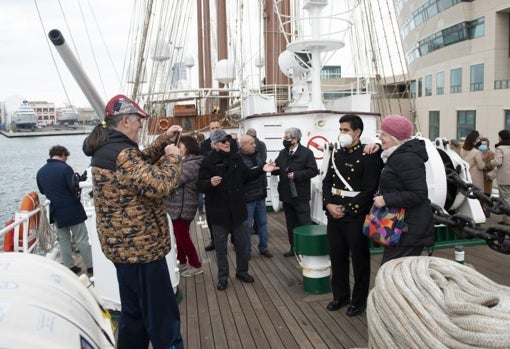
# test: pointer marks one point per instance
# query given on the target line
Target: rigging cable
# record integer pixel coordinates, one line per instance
(91, 47)
(51, 52)
(104, 43)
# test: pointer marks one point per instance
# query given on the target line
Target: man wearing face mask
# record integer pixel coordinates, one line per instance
(348, 189)
(297, 167)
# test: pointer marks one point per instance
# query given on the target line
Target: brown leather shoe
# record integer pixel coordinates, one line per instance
(266, 254)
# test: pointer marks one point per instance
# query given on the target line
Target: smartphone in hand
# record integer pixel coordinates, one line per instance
(220, 170)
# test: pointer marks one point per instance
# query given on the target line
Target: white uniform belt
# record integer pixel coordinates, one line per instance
(347, 193)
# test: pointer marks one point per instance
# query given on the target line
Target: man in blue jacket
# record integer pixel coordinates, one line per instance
(56, 180)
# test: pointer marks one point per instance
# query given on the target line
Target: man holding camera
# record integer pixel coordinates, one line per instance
(297, 167)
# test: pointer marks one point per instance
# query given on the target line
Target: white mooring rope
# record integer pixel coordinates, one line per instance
(46, 234)
(430, 302)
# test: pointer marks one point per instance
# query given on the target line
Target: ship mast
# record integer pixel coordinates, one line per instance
(204, 44)
(275, 40)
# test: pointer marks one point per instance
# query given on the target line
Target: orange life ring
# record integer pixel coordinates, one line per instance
(9, 238)
(29, 203)
(164, 124)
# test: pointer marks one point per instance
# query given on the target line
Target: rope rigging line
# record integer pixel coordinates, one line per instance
(51, 52)
(430, 302)
(107, 50)
(92, 51)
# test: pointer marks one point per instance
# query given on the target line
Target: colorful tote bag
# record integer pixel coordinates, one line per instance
(384, 225)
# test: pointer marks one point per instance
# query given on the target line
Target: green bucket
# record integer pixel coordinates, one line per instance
(312, 248)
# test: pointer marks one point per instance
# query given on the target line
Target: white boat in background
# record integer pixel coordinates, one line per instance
(68, 117)
(24, 117)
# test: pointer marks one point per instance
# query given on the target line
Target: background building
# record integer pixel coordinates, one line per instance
(458, 63)
(46, 113)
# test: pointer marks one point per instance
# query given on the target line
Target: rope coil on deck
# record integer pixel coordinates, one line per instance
(430, 302)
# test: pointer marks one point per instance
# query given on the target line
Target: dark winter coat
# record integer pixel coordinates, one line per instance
(403, 183)
(55, 181)
(225, 203)
(183, 201)
(129, 187)
(255, 189)
(304, 166)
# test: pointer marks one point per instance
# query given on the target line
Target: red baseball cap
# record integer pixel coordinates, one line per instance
(122, 105)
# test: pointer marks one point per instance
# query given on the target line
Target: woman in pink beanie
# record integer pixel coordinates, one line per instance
(403, 183)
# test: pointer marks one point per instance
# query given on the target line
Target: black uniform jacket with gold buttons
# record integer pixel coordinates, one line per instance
(361, 171)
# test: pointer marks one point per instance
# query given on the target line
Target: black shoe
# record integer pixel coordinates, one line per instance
(222, 285)
(355, 310)
(291, 253)
(210, 247)
(76, 269)
(336, 304)
(90, 271)
(266, 254)
(245, 277)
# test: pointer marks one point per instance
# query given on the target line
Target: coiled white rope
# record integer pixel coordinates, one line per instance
(430, 302)
(46, 234)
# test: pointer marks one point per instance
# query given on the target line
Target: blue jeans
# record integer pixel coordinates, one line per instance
(149, 310)
(257, 212)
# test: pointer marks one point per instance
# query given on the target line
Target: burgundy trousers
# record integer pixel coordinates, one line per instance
(186, 251)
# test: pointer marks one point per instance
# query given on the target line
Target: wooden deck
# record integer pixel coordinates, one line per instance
(274, 311)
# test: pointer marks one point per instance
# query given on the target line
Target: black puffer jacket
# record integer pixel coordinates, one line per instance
(403, 183)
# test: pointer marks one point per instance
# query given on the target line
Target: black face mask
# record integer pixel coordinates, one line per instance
(287, 144)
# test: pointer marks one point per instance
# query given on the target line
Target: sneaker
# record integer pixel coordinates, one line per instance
(192, 271)
(182, 266)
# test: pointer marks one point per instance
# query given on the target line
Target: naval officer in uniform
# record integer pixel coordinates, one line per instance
(348, 190)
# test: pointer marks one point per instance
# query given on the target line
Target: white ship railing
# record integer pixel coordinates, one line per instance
(23, 218)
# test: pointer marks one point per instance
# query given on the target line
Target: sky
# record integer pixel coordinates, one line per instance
(27, 69)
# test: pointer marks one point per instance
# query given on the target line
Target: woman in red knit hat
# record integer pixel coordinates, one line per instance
(403, 183)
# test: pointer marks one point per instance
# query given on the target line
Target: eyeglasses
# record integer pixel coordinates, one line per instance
(224, 140)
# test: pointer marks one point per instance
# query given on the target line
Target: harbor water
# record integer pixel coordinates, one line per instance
(22, 157)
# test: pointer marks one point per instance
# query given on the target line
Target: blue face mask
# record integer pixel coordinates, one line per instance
(483, 147)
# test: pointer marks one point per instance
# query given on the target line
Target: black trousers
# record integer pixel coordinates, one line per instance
(346, 240)
(297, 214)
(398, 252)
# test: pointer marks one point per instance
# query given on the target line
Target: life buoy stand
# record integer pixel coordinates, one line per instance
(29, 203)
(164, 124)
